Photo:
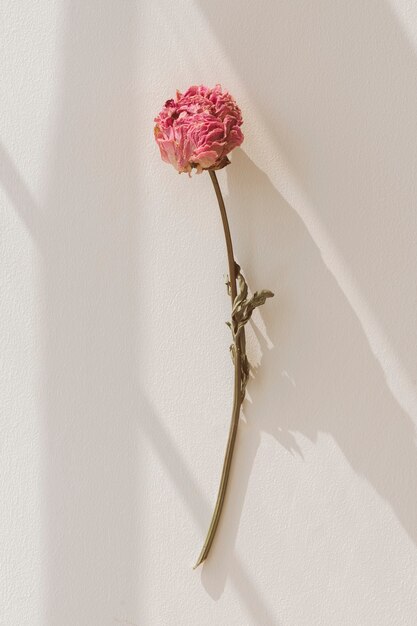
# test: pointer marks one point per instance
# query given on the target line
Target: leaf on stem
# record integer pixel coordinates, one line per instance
(244, 307)
(242, 310)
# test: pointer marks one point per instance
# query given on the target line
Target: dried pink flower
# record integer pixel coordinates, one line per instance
(199, 129)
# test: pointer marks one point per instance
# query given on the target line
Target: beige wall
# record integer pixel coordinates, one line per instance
(115, 377)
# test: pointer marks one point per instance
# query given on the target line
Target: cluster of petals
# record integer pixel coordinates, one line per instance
(198, 129)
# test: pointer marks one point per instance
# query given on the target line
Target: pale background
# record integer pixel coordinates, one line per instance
(115, 377)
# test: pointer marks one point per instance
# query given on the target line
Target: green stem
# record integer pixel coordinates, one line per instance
(237, 388)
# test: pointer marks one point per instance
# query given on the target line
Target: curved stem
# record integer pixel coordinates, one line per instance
(237, 395)
(227, 235)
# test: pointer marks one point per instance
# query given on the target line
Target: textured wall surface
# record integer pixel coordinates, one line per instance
(115, 376)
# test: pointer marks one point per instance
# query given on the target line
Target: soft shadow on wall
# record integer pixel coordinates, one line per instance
(335, 83)
(87, 241)
(321, 375)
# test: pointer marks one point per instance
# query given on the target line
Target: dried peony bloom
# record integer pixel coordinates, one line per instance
(199, 129)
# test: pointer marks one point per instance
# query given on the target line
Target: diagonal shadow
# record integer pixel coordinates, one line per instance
(17, 191)
(348, 399)
(341, 109)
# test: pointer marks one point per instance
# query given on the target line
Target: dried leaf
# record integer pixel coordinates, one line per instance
(259, 297)
(245, 369)
(242, 293)
(242, 311)
(232, 352)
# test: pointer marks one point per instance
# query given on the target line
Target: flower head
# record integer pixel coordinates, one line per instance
(198, 129)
